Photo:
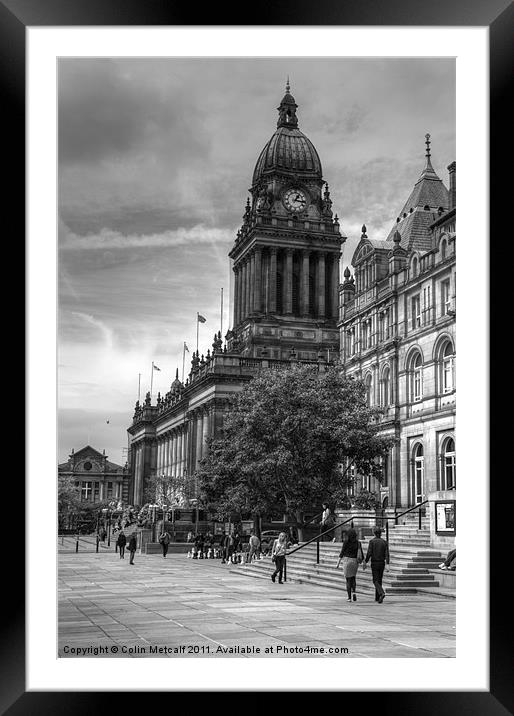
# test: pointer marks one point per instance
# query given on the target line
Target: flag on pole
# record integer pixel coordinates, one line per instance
(201, 318)
(155, 367)
(185, 347)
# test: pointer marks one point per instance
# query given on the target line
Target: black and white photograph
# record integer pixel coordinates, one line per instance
(242, 246)
(257, 357)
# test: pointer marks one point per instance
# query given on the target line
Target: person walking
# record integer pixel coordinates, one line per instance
(327, 521)
(378, 553)
(254, 544)
(351, 555)
(278, 555)
(132, 546)
(120, 543)
(164, 540)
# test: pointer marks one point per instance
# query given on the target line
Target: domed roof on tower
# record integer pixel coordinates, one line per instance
(288, 149)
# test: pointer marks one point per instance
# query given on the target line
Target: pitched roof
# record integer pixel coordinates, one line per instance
(429, 191)
(414, 230)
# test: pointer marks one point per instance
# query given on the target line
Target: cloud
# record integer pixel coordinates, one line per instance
(109, 239)
(105, 331)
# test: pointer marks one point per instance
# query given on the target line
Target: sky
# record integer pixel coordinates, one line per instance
(155, 160)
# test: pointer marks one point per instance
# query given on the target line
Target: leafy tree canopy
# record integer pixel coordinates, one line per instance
(288, 442)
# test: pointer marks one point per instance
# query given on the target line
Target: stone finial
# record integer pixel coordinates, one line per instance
(397, 237)
(427, 142)
(364, 235)
(347, 273)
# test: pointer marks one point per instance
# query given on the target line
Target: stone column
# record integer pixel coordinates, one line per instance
(335, 287)
(304, 284)
(272, 301)
(173, 454)
(236, 294)
(168, 455)
(247, 287)
(158, 456)
(199, 435)
(320, 288)
(205, 432)
(288, 283)
(257, 296)
(251, 303)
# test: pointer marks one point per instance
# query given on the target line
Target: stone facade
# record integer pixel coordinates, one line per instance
(397, 323)
(286, 282)
(98, 478)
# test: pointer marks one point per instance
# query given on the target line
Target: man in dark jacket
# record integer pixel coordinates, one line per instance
(132, 546)
(378, 553)
(121, 542)
(164, 540)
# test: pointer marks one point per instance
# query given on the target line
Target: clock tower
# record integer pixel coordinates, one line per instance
(286, 253)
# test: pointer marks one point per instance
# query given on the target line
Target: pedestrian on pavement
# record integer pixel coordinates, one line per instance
(103, 534)
(164, 540)
(351, 555)
(120, 543)
(132, 546)
(254, 544)
(378, 553)
(278, 555)
(327, 521)
(189, 537)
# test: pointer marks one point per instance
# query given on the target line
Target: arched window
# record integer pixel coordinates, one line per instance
(416, 378)
(414, 267)
(443, 249)
(418, 473)
(447, 370)
(385, 388)
(448, 464)
(369, 389)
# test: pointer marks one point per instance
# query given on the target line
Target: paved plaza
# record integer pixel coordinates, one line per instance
(182, 607)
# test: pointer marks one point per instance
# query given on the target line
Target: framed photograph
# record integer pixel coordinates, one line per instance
(445, 517)
(143, 136)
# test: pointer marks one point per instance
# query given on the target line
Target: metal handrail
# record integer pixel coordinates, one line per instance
(351, 519)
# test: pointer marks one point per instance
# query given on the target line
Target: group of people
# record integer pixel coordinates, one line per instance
(121, 543)
(352, 556)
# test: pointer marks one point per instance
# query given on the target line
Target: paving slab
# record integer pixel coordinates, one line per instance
(198, 606)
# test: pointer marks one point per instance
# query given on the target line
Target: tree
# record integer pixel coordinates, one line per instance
(68, 494)
(289, 442)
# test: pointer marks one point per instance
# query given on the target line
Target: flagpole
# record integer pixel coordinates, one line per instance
(183, 359)
(197, 328)
(139, 388)
(221, 314)
(151, 383)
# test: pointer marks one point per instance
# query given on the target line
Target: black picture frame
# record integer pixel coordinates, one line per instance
(498, 16)
(447, 505)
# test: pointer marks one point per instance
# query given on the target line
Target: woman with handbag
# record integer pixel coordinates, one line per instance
(278, 555)
(351, 555)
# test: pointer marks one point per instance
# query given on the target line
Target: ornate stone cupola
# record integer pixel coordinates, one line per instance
(287, 110)
(286, 253)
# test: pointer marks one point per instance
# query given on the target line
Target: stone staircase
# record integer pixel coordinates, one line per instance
(413, 565)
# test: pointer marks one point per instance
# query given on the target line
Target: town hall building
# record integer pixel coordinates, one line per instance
(391, 323)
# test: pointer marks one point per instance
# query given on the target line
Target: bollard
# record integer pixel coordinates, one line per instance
(317, 552)
(285, 570)
(97, 542)
(76, 544)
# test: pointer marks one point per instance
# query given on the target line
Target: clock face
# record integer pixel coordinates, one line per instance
(295, 200)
